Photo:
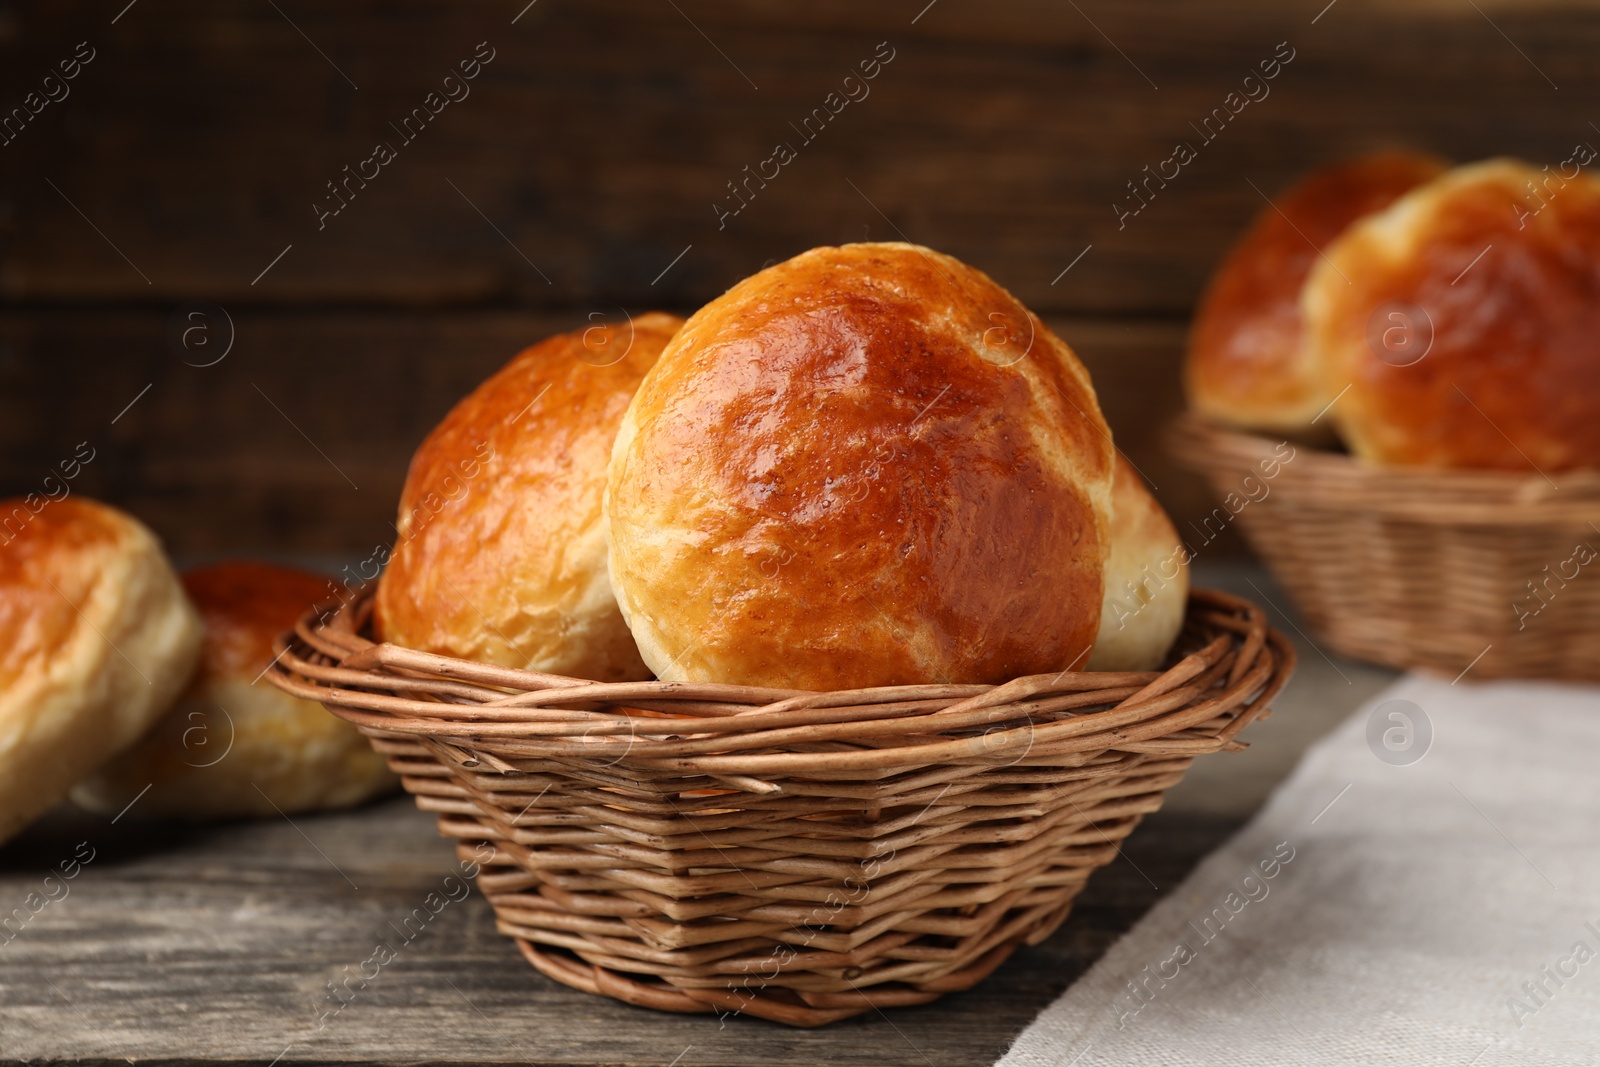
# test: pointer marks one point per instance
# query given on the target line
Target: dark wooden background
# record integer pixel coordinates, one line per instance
(587, 157)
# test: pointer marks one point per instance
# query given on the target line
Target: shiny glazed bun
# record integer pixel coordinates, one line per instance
(234, 744)
(1465, 320)
(1248, 364)
(865, 466)
(501, 556)
(96, 639)
(1147, 581)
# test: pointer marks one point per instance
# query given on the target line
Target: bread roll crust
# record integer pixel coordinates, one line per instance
(501, 556)
(246, 606)
(96, 639)
(1502, 271)
(1248, 362)
(868, 465)
(1147, 581)
(234, 745)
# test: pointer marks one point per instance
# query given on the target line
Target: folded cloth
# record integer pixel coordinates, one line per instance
(1424, 889)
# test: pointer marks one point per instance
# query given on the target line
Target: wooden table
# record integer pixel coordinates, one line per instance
(216, 943)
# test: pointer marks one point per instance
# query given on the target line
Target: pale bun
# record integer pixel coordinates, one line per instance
(96, 639)
(235, 745)
(1462, 325)
(864, 466)
(501, 555)
(1249, 364)
(1147, 581)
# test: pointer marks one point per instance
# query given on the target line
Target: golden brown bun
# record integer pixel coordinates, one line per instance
(501, 555)
(1506, 269)
(235, 745)
(1147, 581)
(865, 466)
(96, 639)
(1248, 363)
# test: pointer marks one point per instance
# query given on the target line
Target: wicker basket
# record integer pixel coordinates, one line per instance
(802, 857)
(1447, 570)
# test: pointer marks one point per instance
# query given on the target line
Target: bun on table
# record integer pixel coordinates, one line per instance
(234, 745)
(96, 640)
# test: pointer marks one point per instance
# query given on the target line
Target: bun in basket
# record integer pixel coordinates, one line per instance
(1465, 321)
(96, 639)
(1147, 581)
(865, 466)
(501, 556)
(1248, 363)
(235, 745)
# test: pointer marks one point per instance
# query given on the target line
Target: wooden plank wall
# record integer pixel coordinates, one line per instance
(584, 169)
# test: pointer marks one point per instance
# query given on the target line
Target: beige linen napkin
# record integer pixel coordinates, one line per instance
(1424, 889)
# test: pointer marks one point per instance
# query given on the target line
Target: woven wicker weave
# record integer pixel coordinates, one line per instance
(1419, 568)
(802, 857)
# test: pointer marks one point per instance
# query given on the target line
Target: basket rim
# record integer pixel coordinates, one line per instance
(485, 714)
(1437, 496)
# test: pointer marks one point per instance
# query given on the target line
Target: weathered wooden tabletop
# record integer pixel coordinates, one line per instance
(217, 943)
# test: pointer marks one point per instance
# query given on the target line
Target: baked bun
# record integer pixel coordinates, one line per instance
(234, 744)
(1248, 363)
(1147, 581)
(1465, 321)
(865, 466)
(501, 556)
(96, 639)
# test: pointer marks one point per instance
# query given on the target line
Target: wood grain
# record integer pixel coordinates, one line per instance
(590, 151)
(587, 158)
(298, 440)
(202, 944)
